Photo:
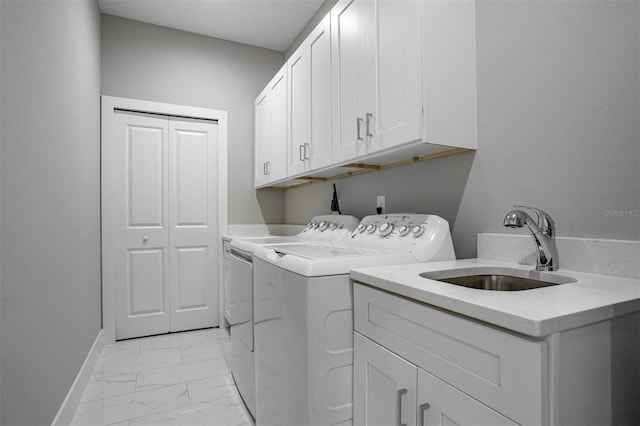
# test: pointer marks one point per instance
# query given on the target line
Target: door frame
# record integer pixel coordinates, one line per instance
(108, 163)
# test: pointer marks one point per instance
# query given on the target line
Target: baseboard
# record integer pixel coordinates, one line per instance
(71, 401)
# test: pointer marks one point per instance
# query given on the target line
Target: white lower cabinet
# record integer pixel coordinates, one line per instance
(417, 364)
(414, 364)
(393, 391)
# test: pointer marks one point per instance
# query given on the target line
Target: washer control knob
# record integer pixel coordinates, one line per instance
(417, 231)
(360, 228)
(371, 228)
(404, 230)
(386, 229)
(323, 226)
(333, 226)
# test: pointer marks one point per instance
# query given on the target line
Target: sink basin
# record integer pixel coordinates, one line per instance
(498, 279)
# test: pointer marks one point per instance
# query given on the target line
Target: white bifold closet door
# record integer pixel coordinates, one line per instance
(166, 269)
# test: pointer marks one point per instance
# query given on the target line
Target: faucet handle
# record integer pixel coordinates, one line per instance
(545, 223)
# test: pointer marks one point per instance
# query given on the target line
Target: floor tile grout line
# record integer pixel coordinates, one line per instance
(186, 363)
(230, 399)
(219, 344)
(160, 412)
(181, 408)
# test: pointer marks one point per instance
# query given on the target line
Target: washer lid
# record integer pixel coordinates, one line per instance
(249, 244)
(318, 261)
(322, 252)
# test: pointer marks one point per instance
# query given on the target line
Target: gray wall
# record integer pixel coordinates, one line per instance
(558, 114)
(150, 62)
(50, 199)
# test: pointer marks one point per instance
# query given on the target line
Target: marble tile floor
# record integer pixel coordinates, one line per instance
(179, 379)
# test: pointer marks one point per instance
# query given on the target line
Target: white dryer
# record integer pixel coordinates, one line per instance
(303, 314)
(240, 299)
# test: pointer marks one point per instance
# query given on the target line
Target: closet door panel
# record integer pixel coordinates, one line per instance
(193, 222)
(142, 259)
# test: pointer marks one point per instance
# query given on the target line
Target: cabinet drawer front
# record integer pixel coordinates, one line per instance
(499, 369)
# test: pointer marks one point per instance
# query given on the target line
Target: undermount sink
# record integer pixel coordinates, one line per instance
(498, 279)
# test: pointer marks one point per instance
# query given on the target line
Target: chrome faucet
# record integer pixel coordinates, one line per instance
(543, 232)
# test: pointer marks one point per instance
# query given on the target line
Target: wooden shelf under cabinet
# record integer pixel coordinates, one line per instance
(354, 169)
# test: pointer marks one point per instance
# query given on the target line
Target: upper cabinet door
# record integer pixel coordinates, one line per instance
(377, 75)
(277, 162)
(299, 108)
(350, 21)
(309, 104)
(262, 139)
(449, 63)
(397, 117)
(271, 131)
(319, 153)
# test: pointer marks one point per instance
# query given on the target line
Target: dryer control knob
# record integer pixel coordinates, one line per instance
(404, 230)
(333, 226)
(417, 231)
(360, 228)
(386, 229)
(371, 228)
(323, 225)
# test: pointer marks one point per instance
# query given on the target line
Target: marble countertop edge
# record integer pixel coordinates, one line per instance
(537, 313)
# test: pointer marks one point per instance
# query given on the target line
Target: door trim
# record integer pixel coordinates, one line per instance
(108, 192)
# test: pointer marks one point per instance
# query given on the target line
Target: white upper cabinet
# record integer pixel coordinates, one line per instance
(449, 73)
(377, 75)
(271, 131)
(353, 67)
(309, 106)
(299, 108)
(376, 83)
(398, 114)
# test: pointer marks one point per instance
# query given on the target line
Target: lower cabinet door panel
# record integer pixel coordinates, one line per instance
(440, 404)
(385, 386)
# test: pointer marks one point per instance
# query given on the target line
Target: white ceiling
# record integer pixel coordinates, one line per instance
(272, 24)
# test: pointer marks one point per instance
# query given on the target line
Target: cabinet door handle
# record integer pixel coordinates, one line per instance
(307, 150)
(358, 126)
(421, 409)
(369, 117)
(302, 152)
(264, 169)
(401, 392)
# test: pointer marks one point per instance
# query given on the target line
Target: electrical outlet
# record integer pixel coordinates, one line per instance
(380, 204)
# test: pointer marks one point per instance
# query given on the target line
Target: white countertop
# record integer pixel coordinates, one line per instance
(538, 312)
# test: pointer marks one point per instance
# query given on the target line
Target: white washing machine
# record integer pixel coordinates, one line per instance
(303, 314)
(240, 306)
